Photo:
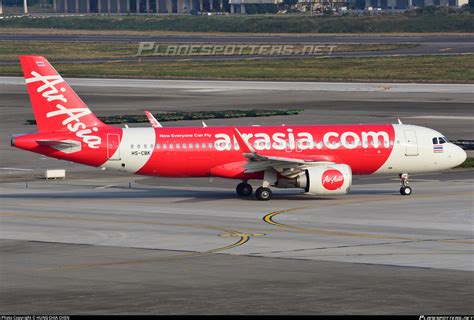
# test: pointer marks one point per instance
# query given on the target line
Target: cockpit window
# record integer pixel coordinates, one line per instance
(441, 140)
(435, 140)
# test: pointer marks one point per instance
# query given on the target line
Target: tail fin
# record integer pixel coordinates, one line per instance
(55, 105)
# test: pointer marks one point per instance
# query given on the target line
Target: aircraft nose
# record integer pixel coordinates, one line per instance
(459, 155)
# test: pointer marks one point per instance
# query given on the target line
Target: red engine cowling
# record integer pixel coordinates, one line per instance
(324, 179)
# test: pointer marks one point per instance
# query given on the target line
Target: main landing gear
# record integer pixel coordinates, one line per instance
(262, 193)
(244, 189)
(405, 190)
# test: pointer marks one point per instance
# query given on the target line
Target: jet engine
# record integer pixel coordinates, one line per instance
(323, 179)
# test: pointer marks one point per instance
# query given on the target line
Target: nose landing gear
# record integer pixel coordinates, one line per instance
(405, 190)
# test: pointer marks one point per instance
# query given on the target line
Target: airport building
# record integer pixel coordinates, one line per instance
(234, 6)
(135, 6)
(382, 4)
(406, 4)
(238, 6)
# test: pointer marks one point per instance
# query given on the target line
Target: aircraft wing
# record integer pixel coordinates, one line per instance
(154, 123)
(289, 167)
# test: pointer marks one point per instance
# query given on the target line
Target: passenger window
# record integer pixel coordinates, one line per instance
(165, 146)
(209, 145)
(171, 146)
(190, 145)
(203, 145)
(158, 146)
(197, 145)
(131, 146)
(178, 146)
(138, 146)
(435, 140)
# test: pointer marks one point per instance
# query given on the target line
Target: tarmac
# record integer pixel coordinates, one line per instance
(103, 242)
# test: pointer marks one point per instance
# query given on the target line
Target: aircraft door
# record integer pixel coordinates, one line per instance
(113, 146)
(411, 143)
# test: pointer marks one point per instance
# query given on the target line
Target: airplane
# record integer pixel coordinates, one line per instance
(320, 159)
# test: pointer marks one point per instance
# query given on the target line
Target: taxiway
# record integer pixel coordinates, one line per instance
(102, 242)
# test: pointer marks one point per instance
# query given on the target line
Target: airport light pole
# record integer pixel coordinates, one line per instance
(25, 6)
(1, 6)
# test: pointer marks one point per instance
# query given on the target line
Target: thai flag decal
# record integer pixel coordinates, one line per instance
(438, 148)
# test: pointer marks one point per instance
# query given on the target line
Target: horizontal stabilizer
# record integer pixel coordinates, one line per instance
(66, 146)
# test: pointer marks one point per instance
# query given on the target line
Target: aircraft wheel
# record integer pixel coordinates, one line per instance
(244, 189)
(405, 191)
(263, 194)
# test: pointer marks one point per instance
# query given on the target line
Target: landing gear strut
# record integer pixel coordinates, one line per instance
(405, 190)
(244, 189)
(269, 178)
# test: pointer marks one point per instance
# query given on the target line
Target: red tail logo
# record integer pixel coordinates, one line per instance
(332, 179)
(56, 105)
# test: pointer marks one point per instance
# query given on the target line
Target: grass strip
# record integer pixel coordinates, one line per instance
(195, 115)
(434, 69)
(10, 50)
(294, 23)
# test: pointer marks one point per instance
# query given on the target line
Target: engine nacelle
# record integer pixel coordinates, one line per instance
(324, 179)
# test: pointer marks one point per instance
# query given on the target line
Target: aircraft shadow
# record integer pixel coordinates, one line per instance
(197, 195)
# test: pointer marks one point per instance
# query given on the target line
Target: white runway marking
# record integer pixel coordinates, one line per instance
(443, 117)
(263, 85)
(105, 187)
(209, 90)
(16, 169)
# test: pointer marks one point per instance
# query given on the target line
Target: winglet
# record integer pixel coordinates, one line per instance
(204, 125)
(153, 121)
(399, 121)
(244, 145)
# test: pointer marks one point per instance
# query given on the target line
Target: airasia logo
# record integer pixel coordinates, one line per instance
(332, 179)
(73, 122)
